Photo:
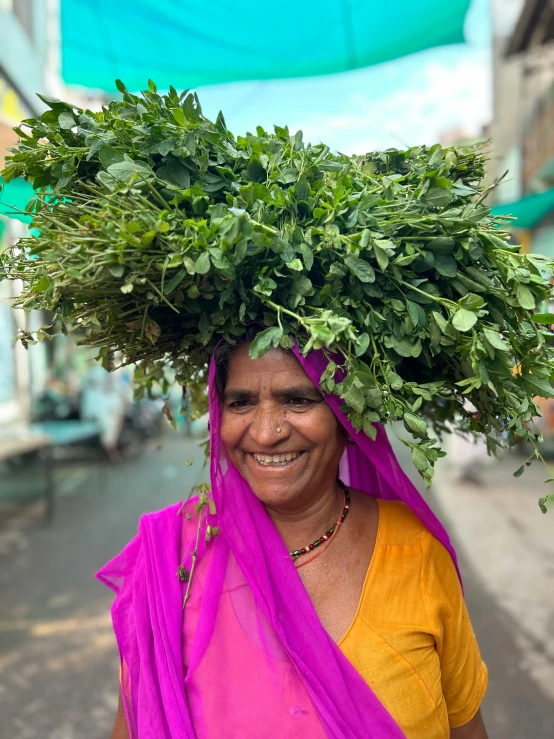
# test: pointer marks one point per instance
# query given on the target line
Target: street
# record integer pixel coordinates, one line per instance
(58, 660)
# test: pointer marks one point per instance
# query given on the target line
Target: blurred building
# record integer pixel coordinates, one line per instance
(23, 61)
(23, 57)
(522, 130)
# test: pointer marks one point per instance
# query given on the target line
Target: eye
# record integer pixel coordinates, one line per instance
(299, 402)
(238, 404)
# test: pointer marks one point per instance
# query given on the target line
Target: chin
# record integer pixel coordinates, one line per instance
(274, 499)
(276, 493)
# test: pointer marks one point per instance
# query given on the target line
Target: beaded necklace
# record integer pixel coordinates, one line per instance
(329, 535)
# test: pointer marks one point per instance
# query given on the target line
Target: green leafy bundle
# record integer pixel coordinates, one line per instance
(160, 232)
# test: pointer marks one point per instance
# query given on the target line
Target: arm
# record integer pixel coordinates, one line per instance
(474, 729)
(463, 673)
(120, 730)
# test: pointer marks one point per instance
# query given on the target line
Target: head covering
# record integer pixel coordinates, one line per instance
(250, 656)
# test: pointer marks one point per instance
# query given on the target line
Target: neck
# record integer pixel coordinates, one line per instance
(301, 525)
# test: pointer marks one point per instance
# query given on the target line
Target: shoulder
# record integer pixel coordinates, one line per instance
(166, 522)
(164, 514)
(398, 525)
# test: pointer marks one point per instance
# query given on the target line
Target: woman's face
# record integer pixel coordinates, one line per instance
(277, 429)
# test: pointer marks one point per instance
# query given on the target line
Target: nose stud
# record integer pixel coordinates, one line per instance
(279, 429)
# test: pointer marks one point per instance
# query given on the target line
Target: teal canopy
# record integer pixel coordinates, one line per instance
(528, 211)
(14, 197)
(188, 43)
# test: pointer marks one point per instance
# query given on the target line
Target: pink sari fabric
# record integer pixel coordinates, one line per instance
(249, 656)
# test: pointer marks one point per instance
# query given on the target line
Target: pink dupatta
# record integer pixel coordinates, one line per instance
(249, 657)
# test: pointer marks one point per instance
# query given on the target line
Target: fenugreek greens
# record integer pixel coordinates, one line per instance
(158, 232)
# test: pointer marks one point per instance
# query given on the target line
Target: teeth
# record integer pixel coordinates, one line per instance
(275, 459)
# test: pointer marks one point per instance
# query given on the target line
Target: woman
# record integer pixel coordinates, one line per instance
(318, 610)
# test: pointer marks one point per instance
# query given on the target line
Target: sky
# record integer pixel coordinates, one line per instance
(413, 100)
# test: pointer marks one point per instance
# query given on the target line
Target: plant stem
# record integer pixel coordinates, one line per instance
(442, 301)
(281, 309)
(193, 557)
(162, 296)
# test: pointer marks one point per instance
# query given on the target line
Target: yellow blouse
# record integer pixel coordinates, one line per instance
(411, 638)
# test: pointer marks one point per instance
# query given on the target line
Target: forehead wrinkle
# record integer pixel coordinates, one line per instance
(266, 376)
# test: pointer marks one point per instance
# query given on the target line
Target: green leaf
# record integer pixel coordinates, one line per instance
(202, 264)
(417, 314)
(66, 120)
(193, 292)
(369, 429)
(382, 256)
(264, 341)
(295, 265)
(416, 425)
(362, 345)
(495, 340)
(127, 288)
(108, 156)
(476, 249)
(116, 270)
(301, 285)
(178, 116)
(374, 397)
(404, 347)
(287, 342)
(256, 171)
(446, 265)
(525, 297)
(438, 197)
(175, 173)
(175, 281)
(441, 245)
(53, 103)
(543, 318)
(519, 472)
(42, 284)
(441, 321)
(124, 171)
(419, 459)
(307, 255)
(538, 386)
(394, 380)
(471, 302)
(355, 399)
(464, 320)
(546, 503)
(265, 286)
(360, 269)
(366, 236)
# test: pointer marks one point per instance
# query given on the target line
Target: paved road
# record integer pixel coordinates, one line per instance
(58, 660)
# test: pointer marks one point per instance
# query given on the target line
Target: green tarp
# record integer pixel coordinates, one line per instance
(529, 211)
(187, 43)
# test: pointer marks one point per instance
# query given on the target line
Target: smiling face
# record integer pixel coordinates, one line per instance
(278, 431)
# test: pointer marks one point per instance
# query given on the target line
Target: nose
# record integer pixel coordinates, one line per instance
(268, 426)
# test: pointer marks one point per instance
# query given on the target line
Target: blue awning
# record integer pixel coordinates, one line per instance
(187, 43)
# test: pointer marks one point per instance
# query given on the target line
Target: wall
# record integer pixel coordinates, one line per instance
(506, 124)
(23, 52)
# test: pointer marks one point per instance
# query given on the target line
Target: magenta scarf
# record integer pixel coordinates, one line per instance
(249, 658)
